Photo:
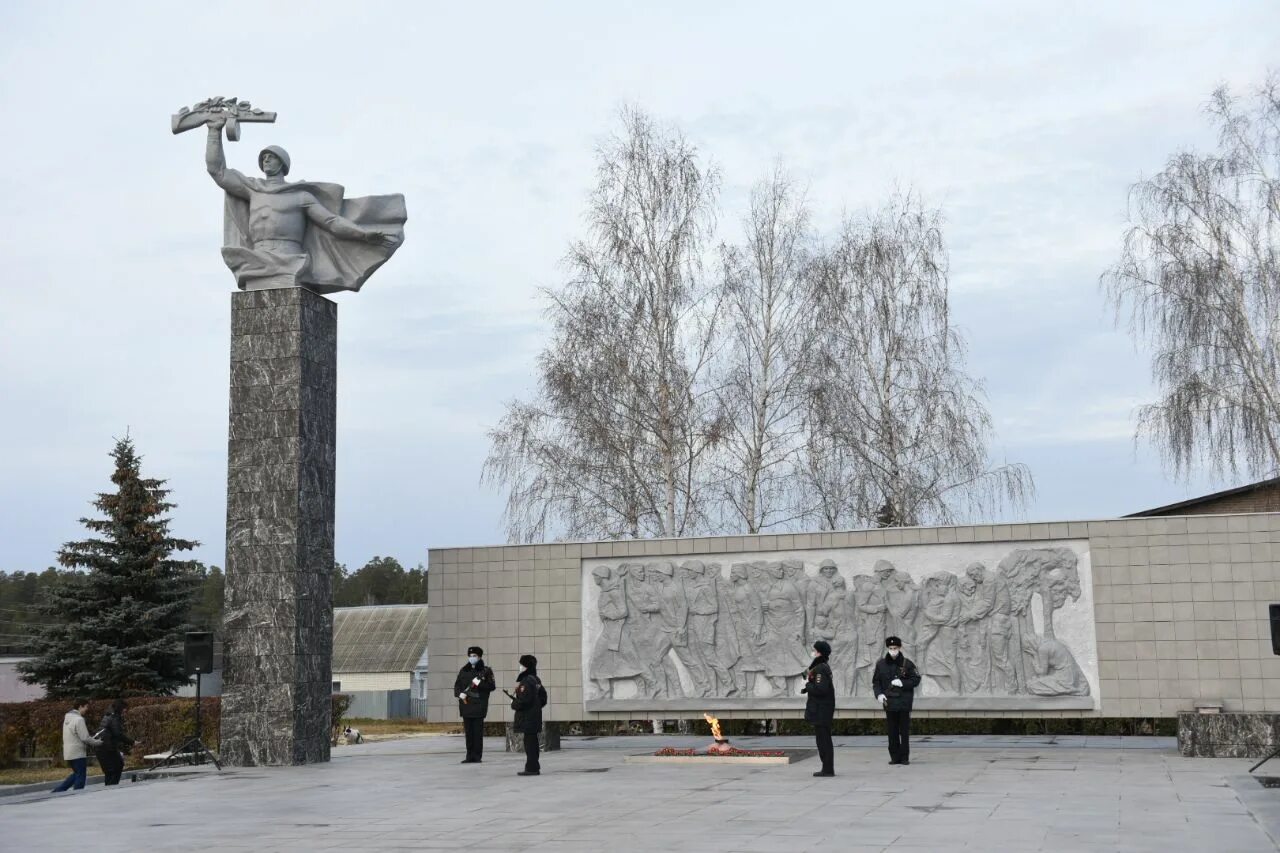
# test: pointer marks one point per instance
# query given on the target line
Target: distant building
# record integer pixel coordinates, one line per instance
(12, 687)
(1262, 496)
(380, 659)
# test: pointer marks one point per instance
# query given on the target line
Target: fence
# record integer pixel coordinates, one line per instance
(383, 705)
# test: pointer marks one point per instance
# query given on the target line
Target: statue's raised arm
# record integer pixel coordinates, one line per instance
(215, 160)
(278, 233)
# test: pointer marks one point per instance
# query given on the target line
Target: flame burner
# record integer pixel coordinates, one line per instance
(720, 746)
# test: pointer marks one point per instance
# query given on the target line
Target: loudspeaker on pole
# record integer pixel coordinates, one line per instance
(197, 652)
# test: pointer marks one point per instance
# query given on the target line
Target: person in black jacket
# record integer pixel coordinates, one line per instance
(529, 698)
(894, 684)
(472, 687)
(115, 742)
(820, 706)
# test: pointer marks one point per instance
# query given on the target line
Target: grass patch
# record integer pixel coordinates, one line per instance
(29, 775)
(58, 772)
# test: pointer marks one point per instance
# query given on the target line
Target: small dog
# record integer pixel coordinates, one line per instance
(350, 735)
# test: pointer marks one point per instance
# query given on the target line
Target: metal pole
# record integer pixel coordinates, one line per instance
(199, 755)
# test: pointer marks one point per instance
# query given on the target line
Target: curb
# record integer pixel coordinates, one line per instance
(13, 790)
(125, 779)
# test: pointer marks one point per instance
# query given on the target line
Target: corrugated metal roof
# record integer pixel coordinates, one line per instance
(386, 638)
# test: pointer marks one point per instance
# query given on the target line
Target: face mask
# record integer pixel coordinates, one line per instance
(473, 660)
(893, 653)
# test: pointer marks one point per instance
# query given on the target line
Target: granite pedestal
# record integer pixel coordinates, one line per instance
(1228, 735)
(548, 738)
(278, 620)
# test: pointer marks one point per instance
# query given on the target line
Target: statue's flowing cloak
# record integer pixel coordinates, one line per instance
(331, 263)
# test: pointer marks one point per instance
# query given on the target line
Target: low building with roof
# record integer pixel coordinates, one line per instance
(380, 658)
(1262, 496)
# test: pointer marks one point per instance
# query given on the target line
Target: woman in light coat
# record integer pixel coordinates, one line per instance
(75, 740)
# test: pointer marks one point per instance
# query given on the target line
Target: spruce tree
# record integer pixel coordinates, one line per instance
(116, 629)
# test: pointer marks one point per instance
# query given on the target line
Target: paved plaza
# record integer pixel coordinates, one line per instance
(960, 793)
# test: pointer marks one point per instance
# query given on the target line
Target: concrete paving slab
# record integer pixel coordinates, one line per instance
(991, 794)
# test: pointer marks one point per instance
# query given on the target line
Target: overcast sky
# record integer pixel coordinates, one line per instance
(1025, 122)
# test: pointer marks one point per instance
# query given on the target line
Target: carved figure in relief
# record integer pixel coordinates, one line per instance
(1055, 671)
(673, 615)
(643, 625)
(689, 652)
(793, 570)
(885, 574)
(614, 655)
(819, 586)
(784, 631)
(939, 637)
(744, 607)
(873, 613)
(703, 661)
(973, 655)
(1004, 648)
(904, 607)
(837, 625)
(728, 651)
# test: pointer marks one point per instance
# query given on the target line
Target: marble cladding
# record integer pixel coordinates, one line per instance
(1228, 735)
(278, 626)
(548, 738)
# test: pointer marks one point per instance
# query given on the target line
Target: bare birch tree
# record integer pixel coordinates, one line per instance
(1199, 281)
(828, 480)
(762, 392)
(900, 429)
(618, 441)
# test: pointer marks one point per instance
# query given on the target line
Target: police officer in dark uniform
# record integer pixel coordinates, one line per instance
(894, 684)
(820, 706)
(472, 687)
(527, 702)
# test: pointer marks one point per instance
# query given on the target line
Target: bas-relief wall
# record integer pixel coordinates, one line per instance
(671, 633)
(1180, 606)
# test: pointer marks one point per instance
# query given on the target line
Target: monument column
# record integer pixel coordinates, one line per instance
(278, 624)
(286, 242)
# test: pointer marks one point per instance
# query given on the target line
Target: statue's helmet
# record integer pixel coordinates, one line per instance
(279, 152)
